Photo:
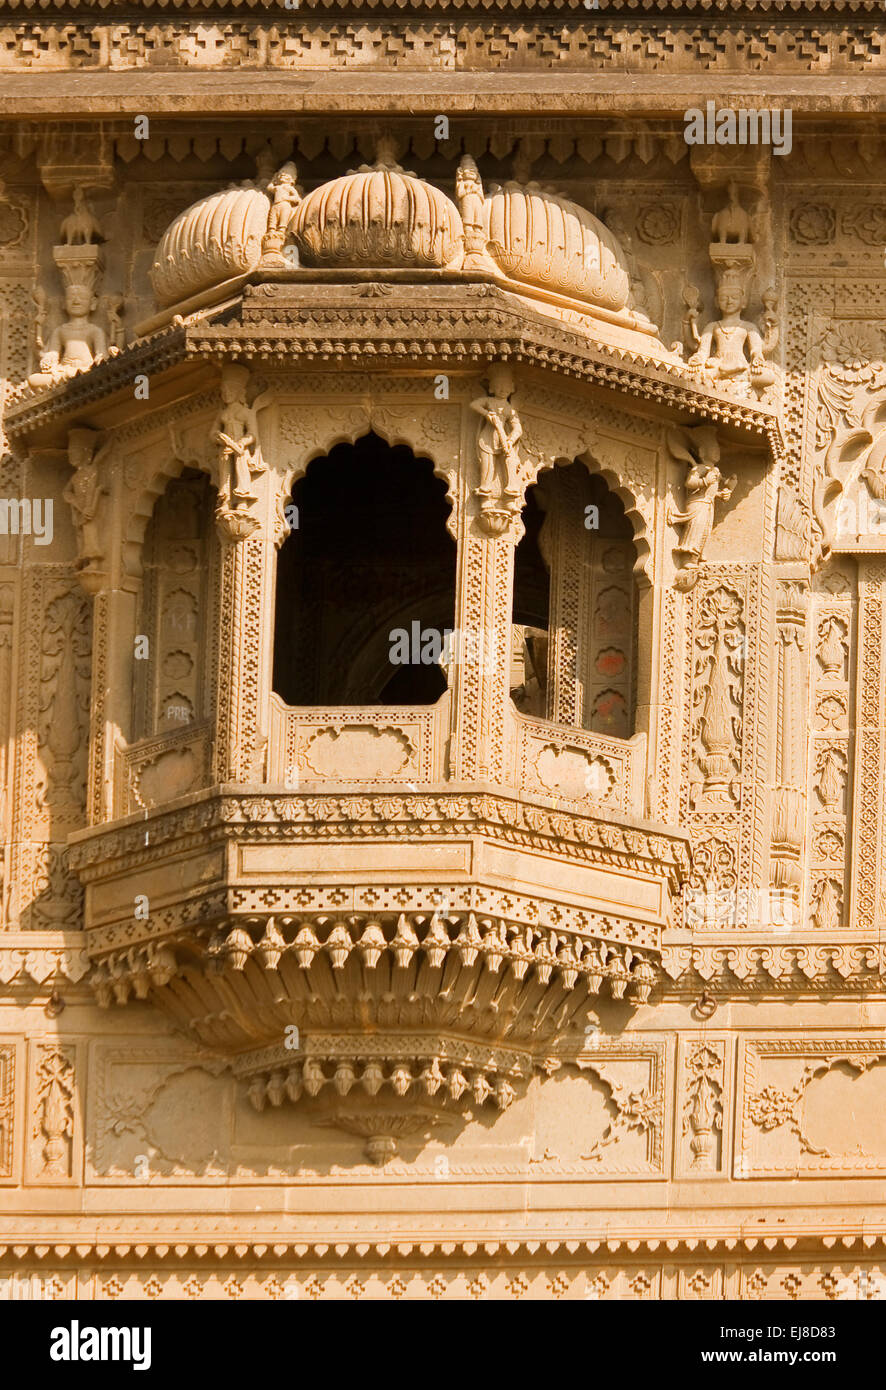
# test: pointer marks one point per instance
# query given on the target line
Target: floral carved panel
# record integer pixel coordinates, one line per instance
(812, 1105)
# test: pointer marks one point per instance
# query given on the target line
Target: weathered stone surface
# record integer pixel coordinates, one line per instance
(442, 656)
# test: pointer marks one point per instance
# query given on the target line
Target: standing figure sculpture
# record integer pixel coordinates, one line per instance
(285, 199)
(704, 486)
(236, 434)
(499, 459)
(84, 492)
(470, 199)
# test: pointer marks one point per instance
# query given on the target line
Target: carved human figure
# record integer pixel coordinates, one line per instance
(500, 433)
(285, 199)
(80, 227)
(704, 486)
(730, 348)
(114, 310)
(76, 344)
(38, 295)
(84, 492)
(236, 434)
(470, 199)
(721, 640)
(689, 322)
(732, 224)
(770, 319)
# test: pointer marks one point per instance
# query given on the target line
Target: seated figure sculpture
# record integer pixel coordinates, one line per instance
(75, 345)
(730, 349)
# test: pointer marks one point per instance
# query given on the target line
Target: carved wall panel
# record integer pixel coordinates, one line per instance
(179, 573)
(54, 1141)
(721, 802)
(705, 1112)
(868, 904)
(789, 753)
(52, 736)
(811, 1105)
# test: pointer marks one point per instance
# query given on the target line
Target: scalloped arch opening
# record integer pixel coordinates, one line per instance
(365, 581)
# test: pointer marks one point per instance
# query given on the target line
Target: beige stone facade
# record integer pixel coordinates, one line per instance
(442, 653)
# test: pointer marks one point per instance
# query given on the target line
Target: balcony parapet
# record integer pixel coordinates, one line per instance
(382, 960)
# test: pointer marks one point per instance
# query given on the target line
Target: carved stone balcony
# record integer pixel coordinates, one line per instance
(386, 960)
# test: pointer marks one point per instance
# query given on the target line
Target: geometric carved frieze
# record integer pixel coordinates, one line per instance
(42, 959)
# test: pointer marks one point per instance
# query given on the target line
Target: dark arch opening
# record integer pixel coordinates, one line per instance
(574, 587)
(368, 561)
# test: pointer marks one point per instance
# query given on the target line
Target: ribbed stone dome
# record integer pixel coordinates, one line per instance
(546, 241)
(213, 240)
(379, 216)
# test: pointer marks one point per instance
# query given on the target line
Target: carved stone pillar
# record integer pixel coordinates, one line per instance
(481, 668)
(788, 798)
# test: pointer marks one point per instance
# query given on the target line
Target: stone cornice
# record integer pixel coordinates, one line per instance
(727, 970)
(182, 1244)
(42, 958)
(261, 817)
(730, 970)
(376, 323)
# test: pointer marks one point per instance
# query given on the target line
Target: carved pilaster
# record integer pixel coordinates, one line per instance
(244, 657)
(7, 611)
(567, 561)
(867, 885)
(788, 798)
(113, 623)
(481, 671)
(249, 523)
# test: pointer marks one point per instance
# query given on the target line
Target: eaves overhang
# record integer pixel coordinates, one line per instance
(378, 321)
